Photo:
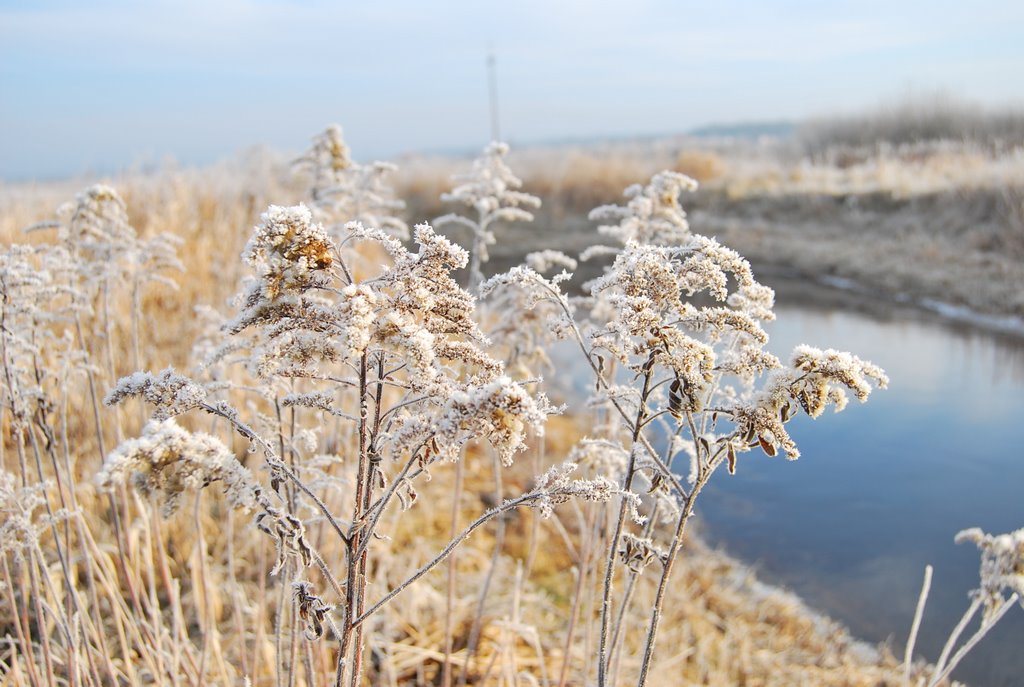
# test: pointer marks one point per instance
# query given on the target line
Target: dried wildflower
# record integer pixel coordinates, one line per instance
(167, 461)
(21, 523)
(762, 426)
(344, 191)
(1002, 565)
(546, 260)
(97, 223)
(653, 215)
(643, 290)
(543, 315)
(96, 230)
(329, 156)
(818, 378)
(499, 410)
(820, 370)
(289, 535)
(168, 392)
(38, 347)
(287, 250)
(421, 283)
(637, 552)
(356, 315)
(491, 190)
(312, 609)
(556, 486)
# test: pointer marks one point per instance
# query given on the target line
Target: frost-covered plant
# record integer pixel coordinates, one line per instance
(343, 190)
(95, 228)
(1001, 586)
(39, 359)
(21, 524)
(1002, 567)
(491, 190)
(168, 460)
(528, 337)
(35, 307)
(653, 214)
(107, 252)
(397, 358)
(680, 316)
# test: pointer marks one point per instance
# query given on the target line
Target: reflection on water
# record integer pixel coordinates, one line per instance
(882, 488)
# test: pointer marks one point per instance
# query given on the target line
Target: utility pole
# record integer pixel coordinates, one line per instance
(492, 83)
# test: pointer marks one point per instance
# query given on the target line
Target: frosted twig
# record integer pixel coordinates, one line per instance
(908, 655)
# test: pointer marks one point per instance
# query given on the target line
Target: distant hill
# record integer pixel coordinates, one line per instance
(749, 130)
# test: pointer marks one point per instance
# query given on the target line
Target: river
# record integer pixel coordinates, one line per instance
(881, 489)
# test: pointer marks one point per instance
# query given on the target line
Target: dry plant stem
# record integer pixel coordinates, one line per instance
(91, 377)
(205, 588)
(94, 399)
(703, 476)
(582, 574)
(588, 355)
(113, 593)
(108, 330)
(363, 486)
(485, 680)
(37, 600)
(378, 507)
(372, 432)
(293, 644)
(499, 543)
(61, 621)
(276, 463)
(908, 655)
(90, 573)
(955, 634)
(446, 670)
(23, 465)
(282, 600)
(356, 535)
(613, 546)
(229, 562)
(137, 339)
(158, 544)
(307, 662)
(531, 556)
(986, 625)
(155, 543)
(446, 551)
(21, 627)
(261, 606)
(71, 592)
(627, 597)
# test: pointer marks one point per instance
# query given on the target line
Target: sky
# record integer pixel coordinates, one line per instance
(105, 85)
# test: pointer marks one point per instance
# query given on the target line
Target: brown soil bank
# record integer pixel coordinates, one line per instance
(962, 248)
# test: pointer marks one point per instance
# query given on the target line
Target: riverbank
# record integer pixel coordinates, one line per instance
(945, 252)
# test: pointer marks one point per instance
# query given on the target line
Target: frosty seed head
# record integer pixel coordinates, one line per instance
(1002, 565)
(167, 460)
(286, 248)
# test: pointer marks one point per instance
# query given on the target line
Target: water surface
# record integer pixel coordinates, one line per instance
(881, 489)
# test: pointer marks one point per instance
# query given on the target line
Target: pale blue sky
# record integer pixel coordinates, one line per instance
(101, 85)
